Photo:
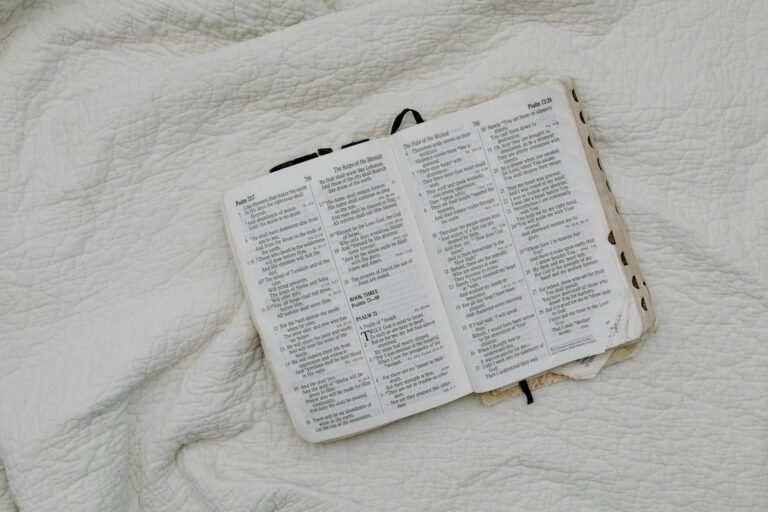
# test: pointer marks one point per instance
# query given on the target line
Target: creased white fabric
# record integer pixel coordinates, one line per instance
(130, 375)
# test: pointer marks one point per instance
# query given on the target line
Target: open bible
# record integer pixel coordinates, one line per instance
(460, 255)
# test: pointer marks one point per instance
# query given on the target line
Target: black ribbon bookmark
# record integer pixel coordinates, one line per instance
(526, 390)
(324, 151)
(399, 119)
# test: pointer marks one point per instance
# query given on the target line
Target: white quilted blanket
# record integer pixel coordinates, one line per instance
(130, 374)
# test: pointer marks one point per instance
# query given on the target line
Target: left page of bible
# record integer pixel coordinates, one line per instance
(342, 294)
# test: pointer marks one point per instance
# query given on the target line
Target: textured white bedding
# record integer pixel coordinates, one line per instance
(129, 372)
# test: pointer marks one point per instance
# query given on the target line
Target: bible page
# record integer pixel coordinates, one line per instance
(516, 234)
(341, 292)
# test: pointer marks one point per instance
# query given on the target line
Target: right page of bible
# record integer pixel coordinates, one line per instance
(515, 233)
